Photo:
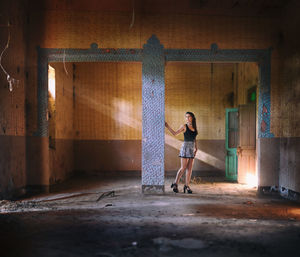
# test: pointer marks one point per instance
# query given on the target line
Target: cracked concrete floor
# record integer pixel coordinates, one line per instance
(218, 219)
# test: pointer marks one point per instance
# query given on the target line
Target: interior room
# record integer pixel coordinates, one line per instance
(96, 152)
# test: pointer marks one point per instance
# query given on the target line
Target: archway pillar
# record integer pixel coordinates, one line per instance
(153, 117)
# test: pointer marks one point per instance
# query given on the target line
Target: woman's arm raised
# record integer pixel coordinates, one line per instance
(173, 132)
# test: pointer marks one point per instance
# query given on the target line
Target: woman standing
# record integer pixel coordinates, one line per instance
(187, 151)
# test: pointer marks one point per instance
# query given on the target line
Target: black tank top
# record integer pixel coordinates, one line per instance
(189, 135)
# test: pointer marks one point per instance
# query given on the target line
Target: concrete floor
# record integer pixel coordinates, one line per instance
(218, 219)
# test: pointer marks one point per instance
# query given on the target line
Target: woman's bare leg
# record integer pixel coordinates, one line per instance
(184, 162)
(189, 171)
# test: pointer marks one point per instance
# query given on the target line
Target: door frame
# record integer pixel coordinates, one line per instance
(153, 56)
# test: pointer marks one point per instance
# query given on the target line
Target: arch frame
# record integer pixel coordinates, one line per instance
(153, 56)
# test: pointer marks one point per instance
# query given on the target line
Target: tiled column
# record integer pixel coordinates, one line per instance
(153, 94)
(264, 97)
(266, 172)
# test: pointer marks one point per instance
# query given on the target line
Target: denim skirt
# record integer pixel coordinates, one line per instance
(187, 149)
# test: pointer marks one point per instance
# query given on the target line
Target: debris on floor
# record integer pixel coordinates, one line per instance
(87, 219)
(109, 193)
(21, 206)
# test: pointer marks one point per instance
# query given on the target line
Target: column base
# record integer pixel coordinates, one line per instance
(153, 189)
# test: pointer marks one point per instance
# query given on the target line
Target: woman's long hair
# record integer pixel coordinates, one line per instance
(193, 121)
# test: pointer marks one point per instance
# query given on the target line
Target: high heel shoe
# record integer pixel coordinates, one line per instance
(175, 187)
(187, 188)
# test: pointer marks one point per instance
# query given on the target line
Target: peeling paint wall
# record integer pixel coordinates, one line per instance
(12, 104)
(108, 116)
(289, 175)
(77, 24)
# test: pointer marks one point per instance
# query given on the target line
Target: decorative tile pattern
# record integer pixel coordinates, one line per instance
(153, 94)
(94, 54)
(264, 96)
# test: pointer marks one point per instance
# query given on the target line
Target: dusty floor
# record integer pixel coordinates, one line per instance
(218, 219)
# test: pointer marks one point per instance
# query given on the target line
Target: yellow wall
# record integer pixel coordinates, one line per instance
(108, 97)
(108, 103)
(247, 78)
(203, 89)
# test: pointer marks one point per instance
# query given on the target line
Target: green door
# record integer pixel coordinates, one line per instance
(232, 133)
